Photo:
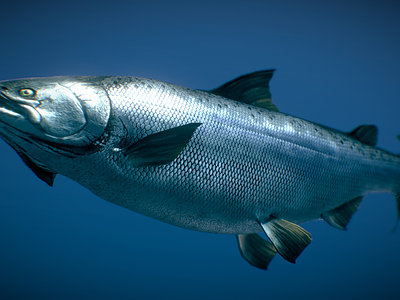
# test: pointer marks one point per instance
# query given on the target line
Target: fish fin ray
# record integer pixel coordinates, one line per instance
(252, 88)
(255, 250)
(41, 173)
(367, 134)
(288, 238)
(160, 148)
(340, 216)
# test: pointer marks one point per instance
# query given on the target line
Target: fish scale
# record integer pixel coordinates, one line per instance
(220, 161)
(209, 178)
(235, 159)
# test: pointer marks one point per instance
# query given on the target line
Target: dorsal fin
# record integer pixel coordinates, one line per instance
(367, 134)
(340, 216)
(252, 88)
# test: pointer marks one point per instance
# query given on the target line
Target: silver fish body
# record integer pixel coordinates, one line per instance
(240, 166)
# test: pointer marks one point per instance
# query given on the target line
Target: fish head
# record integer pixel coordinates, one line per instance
(49, 121)
(71, 111)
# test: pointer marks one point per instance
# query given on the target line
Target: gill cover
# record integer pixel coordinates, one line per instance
(65, 110)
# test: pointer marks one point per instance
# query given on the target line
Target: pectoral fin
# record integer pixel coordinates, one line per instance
(160, 148)
(340, 216)
(41, 173)
(255, 250)
(251, 88)
(289, 239)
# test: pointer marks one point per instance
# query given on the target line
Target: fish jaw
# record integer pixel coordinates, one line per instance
(72, 111)
(18, 114)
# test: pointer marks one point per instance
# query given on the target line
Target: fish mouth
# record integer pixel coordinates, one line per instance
(8, 106)
(16, 109)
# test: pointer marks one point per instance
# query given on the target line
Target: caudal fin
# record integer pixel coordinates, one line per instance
(397, 196)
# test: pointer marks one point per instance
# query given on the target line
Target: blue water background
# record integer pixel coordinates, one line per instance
(337, 64)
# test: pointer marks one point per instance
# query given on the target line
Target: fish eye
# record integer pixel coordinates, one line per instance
(27, 92)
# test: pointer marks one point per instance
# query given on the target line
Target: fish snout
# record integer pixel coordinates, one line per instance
(71, 111)
(12, 106)
(54, 110)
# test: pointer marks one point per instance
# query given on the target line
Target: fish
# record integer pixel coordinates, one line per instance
(222, 161)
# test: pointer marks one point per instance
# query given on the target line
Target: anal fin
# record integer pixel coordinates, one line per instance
(255, 250)
(289, 239)
(340, 216)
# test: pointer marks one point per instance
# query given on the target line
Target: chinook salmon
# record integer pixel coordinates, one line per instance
(221, 161)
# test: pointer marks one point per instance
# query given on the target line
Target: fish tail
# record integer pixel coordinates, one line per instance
(398, 137)
(397, 196)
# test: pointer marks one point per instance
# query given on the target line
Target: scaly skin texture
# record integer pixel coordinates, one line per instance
(242, 165)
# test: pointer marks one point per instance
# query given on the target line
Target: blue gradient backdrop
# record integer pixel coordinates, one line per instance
(337, 64)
